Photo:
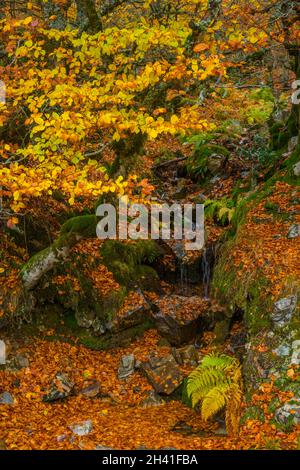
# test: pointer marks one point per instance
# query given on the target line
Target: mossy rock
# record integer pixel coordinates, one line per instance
(207, 160)
(221, 331)
(65, 328)
(127, 261)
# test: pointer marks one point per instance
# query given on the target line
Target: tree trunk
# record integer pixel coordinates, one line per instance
(74, 230)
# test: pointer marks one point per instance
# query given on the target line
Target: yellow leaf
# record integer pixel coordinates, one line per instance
(27, 20)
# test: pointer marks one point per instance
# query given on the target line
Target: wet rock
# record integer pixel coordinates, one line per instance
(126, 367)
(187, 355)
(152, 399)
(294, 231)
(283, 311)
(92, 390)
(188, 262)
(179, 319)
(82, 429)
(61, 387)
(6, 398)
(133, 316)
(163, 374)
(289, 413)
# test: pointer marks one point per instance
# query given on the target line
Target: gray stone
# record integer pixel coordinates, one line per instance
(292, 144)
(61, 387)
(2, 352)
(296, 169)
(92, 390)
(296, 353)
(283, 311)
(294, 231)
(88, 319)
(187, 355)
(163, 374)
(21, 361)
(152, 399)
(126, 367)
(6, 399)
(82, 429)
(289, 413)
(282, 350)
(100, 447)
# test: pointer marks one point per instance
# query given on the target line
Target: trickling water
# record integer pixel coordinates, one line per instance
(205, 273)
(184, 284)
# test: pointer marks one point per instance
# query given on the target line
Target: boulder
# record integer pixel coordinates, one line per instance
(163, 374)
(61, 387)
(134, 312)
(187, 355)
(126, 367)
(283, 311)
(188, 262)
(179, 319)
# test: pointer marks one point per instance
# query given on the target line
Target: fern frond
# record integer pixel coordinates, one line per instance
(215, 400)
(220, 361)
(202, 380)
(233, 409)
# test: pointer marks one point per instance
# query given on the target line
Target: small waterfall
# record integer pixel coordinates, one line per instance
(206, 273)
(184, 284)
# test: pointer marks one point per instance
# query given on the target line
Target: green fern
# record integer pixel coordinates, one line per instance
(215, 385)
(222, 211)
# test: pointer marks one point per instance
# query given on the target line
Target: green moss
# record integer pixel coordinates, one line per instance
(246, 293)
(65, 328)
(253, 413)
(84, 225)
(197, 165)
(221, 331)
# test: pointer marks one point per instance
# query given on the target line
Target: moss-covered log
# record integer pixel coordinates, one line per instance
(44, 261)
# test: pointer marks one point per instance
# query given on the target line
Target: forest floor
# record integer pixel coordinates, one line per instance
(119, 420)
